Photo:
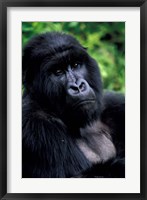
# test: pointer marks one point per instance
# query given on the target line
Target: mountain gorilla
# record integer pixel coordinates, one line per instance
(70, 128)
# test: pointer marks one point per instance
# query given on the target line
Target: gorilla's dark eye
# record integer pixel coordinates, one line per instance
(75, 65)
(58, 72)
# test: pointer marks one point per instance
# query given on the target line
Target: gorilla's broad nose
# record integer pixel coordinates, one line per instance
(80, 87)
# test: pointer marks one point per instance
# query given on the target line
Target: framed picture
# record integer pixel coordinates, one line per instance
(103, 156)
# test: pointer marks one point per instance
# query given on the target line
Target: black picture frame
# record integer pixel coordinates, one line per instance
(4, 4)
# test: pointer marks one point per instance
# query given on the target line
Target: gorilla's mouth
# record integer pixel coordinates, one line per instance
(83, 103)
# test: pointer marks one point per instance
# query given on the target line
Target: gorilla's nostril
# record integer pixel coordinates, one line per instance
(74, 89)
(82, 87)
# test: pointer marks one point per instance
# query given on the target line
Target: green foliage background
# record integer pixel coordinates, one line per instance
(105, 42)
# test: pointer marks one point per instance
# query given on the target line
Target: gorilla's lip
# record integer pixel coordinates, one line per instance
(82, 102)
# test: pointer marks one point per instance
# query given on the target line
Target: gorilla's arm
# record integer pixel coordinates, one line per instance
(113, 115)
(41, 155)
(47, 149)
(111, 169)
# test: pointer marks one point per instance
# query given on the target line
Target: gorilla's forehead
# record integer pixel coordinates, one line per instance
(71, 53)
(66, 55)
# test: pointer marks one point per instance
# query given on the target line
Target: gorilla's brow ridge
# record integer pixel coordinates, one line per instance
(64, 56)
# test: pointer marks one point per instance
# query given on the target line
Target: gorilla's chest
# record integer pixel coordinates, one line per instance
(96, 145)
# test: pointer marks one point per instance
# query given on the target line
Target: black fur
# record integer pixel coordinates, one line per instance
(70, 128)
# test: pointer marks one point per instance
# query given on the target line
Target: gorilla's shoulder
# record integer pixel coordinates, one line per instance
(113, 110)
(33, 113)
(113, 99)
(114, 102)
(32, 110)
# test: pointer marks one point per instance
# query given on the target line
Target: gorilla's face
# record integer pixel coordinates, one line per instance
(63, 77)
